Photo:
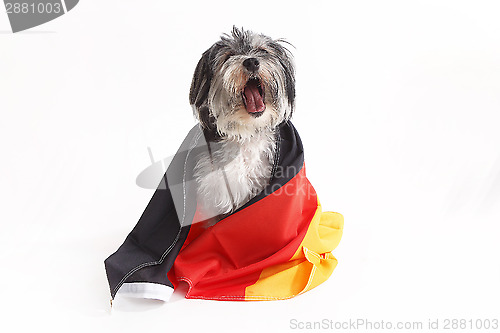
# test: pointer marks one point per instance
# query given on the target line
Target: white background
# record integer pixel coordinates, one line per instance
(398, 108)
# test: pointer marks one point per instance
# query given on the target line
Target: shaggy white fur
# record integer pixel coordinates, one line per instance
(234, 173)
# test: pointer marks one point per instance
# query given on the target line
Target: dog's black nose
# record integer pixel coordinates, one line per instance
(252, 64)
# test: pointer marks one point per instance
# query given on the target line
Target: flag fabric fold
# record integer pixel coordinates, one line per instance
(277, 246)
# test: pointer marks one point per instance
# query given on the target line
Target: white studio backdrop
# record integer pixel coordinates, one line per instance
(398, 109)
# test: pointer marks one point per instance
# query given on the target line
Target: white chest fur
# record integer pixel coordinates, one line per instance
(235, 172)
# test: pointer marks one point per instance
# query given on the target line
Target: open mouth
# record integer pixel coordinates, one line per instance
(253, 97)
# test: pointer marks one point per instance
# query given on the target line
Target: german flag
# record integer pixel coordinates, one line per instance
(276, 246)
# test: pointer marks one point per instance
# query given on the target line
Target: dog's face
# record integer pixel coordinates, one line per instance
(243, 84)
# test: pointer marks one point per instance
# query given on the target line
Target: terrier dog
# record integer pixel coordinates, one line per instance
(248, 172)
(243, 88)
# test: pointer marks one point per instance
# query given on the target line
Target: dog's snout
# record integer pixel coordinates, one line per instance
(252, 64)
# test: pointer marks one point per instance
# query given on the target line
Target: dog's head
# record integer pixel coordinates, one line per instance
(243, 84)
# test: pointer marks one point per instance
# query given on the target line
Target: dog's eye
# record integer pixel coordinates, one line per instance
(263, 50)
(228, 55)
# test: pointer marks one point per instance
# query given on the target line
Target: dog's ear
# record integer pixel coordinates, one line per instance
(202, 78)
(286, 61)
(200, 87)
(289, 73)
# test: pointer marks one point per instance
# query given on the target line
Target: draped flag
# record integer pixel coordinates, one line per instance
(277, 246)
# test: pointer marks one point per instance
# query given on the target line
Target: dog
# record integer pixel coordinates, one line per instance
(242, 89)
(245, 184)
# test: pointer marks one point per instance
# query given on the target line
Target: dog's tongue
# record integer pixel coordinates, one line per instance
(254, 102)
